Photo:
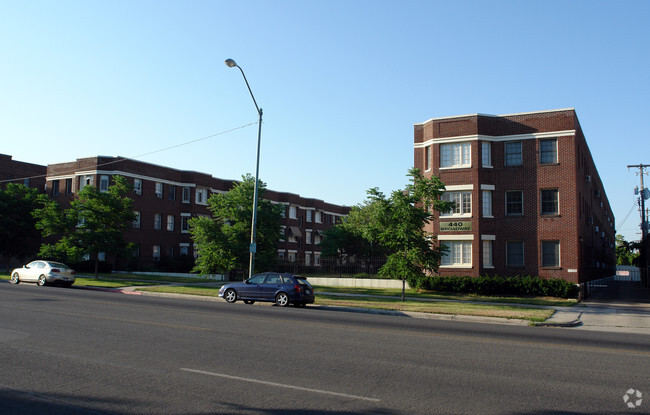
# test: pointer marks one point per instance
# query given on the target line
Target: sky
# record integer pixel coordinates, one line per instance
(341, 84)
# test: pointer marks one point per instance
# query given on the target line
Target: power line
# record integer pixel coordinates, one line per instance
(141, 155)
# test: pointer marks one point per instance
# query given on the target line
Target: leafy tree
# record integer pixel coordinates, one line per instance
(18, 234)
(627, 253)
(223, 240)
(93, 223)
(398, 222)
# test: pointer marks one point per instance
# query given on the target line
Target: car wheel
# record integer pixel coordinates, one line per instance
(282, 299)
(15, 278)
(249, 302)
(230, 295)
(41, 280)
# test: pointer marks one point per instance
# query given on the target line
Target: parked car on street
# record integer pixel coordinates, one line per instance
(44, 272)
(282, 289)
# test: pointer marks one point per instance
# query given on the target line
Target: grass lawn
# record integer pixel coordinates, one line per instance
(550, 301)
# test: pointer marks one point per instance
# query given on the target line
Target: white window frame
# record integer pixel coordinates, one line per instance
(542, 212)
(308, 217)
(157, 221)
(170, 223)
(293, 212)
(506, 153)
(159, 190)
(308, 237)
(458, 255)
(456, 155)
(428, 158)
(486, 153)
(523, 254)
(555, 243)
(156, 252)
(201, 196)
(318, 217)
(184, 249)
(487, 204)
(488, 251)
(187, 194)
(137, 186)
(461, 199)
(138, 219)
(103, 183)
(553, 152)
(185, 222)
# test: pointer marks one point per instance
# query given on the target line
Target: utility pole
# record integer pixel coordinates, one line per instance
(643, 194)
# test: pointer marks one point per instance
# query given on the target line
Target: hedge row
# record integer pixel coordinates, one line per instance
(497, 285)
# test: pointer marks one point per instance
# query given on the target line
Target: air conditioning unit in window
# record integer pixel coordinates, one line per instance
(588, 178)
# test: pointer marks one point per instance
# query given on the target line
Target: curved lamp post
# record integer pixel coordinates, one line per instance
(253, 246)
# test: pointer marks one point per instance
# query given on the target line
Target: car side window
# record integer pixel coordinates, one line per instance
(287, 280)
(258, 279)
(40, 265)
(273, 279)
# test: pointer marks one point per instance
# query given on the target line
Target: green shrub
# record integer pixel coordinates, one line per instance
(492, 285)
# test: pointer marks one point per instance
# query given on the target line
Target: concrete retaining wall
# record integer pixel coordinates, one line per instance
(357, 282)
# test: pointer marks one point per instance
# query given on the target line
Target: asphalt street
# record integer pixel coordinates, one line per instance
(72, 351)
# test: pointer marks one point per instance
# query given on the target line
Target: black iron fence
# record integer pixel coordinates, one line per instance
(629, 284)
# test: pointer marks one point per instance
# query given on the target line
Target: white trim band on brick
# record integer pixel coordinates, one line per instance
(487, 187)
(456, 187)
(455, 237)
(488, 238)
(514, 137)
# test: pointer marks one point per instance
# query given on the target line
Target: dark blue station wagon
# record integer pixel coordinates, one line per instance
(282, 289)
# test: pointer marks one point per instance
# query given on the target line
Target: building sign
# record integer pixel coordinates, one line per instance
(456, 226)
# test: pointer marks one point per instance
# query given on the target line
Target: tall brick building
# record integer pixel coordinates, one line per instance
(12, 171)
(529, 200)
(165, 199)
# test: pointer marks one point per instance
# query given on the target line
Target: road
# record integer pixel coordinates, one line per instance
(74, 351)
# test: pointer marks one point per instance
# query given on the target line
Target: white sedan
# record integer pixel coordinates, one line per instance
(44, 272)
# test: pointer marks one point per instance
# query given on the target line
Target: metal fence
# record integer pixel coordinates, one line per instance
(629, 284)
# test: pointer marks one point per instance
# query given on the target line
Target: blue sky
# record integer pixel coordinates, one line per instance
(341, 83)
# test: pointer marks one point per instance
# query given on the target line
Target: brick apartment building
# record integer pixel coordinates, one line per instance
(165, 199)
(12, 171)
(529, 200)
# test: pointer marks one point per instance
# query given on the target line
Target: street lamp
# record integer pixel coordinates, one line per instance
(253, 246)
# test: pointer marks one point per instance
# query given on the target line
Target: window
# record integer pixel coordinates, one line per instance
(201, 195)
(308, 237)
(513, 153)
(459, 253)
(514, 203)
(428, 155)
(55, 188)
(68, 186)
(309, 216)
(487, 203)
(550, 253)
(186, 194)
(317, 239)
(486, 154)
(463, 203)
(548, 151)
(307, 258)
(549, 202)
(455, 155)
(156, 252)
(171, 192)
(137, 186)
(184, 249)
(185, 222)
(159, 190)
(487, 254)
(101, 256)
(85, 181)
(157, 221)
(103, 183)
(136, 221)
(292, 212)
(514, 254)
(317, 259)
(170, 222)
(318, 217)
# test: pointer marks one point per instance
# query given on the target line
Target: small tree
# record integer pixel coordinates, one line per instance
(18, 234)
(93, 223)
(398, 224)
(222, 241)
(627, 253)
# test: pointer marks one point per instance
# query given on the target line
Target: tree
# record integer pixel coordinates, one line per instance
(223, 240)
(18, 234)
(627, 253)
(93, 223)
(398, 223)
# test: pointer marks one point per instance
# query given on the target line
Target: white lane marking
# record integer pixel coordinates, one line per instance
(280, 385)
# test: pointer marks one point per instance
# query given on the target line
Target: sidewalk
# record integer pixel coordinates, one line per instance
(590, 315)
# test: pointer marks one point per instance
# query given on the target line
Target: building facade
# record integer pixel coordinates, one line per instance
(528, 198)
(12, 171)
(165, 199)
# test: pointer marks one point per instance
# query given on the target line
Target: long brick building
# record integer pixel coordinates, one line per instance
(165, 199)
(528, 198)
